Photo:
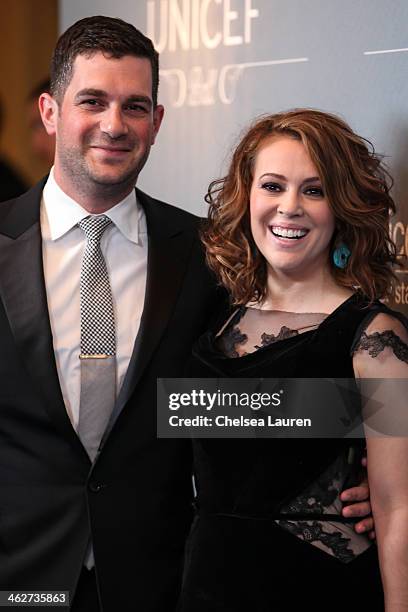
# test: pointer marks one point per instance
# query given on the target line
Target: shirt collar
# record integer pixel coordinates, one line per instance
(63, 213)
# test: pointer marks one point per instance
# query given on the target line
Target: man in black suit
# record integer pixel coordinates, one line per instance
(135, 497)
(11, 183)
(106, 520)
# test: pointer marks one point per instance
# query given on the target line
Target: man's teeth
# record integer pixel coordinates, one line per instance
(288, 233)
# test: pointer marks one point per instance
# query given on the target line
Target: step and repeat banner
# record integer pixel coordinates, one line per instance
(223, 62)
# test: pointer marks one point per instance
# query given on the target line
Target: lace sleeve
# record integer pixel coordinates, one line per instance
(376, 342)
(381, 350)
(380, 360)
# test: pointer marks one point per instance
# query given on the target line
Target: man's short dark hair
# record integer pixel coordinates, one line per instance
(113, 37)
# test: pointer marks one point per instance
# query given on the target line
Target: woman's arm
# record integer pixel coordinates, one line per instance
(383, 355)
(388, 477)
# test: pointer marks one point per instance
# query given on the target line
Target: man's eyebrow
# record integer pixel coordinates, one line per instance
(136, 98)
(100, 93)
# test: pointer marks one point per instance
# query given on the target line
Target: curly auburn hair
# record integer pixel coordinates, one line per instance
(357, 187)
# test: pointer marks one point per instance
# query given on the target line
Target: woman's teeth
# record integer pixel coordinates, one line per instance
(288, 233)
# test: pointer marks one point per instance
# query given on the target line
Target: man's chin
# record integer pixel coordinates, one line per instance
(113, 178)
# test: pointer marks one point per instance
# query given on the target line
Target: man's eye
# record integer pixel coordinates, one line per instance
(316, 192)
(137, 108)
(91, 102)
(273, 187)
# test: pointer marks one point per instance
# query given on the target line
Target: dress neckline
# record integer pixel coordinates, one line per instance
(324, 314)
(253, 355)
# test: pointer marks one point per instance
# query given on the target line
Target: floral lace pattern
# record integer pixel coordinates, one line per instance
(252, 328)
(231, 337)
(284, 333)
(323, 497)
(231, 340)
(376, 342)
(313, 532)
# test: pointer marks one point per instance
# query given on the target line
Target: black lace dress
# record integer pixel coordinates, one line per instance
(243, 554)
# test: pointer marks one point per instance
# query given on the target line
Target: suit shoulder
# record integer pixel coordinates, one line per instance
(9, 206)
(17, 214)
(169, 212)
(5, 207)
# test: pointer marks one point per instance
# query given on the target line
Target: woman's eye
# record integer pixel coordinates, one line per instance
(316, 192)
(273, 187)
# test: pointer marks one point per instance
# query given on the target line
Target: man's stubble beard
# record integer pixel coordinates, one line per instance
(86, 181)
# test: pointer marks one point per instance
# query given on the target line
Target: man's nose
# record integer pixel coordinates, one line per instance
(289, 203)
(113, 123)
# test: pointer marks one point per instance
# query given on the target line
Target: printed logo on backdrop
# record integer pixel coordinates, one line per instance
(399, 234)
(208, 50)
(179, 27)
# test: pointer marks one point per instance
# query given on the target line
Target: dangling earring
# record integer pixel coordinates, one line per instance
(341, 255)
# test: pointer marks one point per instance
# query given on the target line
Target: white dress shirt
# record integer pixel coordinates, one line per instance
(124, 246)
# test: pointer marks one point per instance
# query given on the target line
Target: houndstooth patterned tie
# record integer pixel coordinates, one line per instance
(98, 345)
(97, 318)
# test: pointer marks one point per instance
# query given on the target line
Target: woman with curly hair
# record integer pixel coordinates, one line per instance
(298, 235)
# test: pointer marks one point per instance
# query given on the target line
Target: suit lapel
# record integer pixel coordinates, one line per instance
(22, 291)
(168, 251)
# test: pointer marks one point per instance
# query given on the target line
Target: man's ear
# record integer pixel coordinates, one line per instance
(49, 112)
(158, 113)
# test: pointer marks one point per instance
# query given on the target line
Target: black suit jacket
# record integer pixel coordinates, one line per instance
(136, 498)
